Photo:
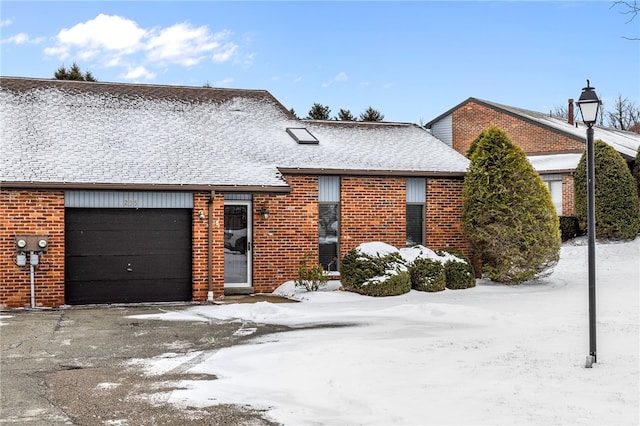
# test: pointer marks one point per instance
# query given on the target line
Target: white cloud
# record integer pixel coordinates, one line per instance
(227, 51)
(119, 42)
(103, 33)
(22, 38)
(138, 73)
(5, 22)
(340, 77)
(186, 45)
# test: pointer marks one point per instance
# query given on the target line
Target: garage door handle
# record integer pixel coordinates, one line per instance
(129, 268)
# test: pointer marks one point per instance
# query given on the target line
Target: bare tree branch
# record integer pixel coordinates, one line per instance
(630, 8)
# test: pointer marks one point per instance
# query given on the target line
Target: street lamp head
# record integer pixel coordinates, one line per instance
(589, 104)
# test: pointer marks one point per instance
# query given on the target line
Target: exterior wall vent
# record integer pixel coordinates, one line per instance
(302, 136)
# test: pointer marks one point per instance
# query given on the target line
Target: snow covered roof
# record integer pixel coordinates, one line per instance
(66, 133)
(554, 163)
(626, 143)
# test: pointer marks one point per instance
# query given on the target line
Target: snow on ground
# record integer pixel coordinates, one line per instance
(493, 354)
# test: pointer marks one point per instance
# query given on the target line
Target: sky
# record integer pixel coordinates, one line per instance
(411, 61)
(492, 354)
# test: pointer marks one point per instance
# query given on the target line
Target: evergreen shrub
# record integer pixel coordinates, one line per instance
(508, 214)
(459, 272)
(636, 171)
(427, 275)
(616, 197)
(382, 275)
(569, 227)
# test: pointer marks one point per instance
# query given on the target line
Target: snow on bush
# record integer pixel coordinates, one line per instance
(375, 269)
(380, 269)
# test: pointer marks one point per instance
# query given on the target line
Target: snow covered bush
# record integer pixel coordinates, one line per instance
(375, 269)
(426, 268)
(311, 278)
(427, 275)
(458, 270)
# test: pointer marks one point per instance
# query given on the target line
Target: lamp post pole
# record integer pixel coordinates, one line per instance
(589, 104)
(591, 229)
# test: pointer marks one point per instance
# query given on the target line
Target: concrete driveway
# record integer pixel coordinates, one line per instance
(72, 366)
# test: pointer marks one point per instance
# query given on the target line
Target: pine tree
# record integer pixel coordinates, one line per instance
(319, 112)
(371, 115)
(345, 115)
(636, 171)
(73, 73)
(616, 197)
(508, 214)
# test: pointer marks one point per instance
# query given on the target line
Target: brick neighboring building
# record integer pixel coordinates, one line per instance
(554, 146)
(166, 193)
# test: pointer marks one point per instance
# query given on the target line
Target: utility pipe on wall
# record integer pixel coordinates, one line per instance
(32, 273)
(210, 246)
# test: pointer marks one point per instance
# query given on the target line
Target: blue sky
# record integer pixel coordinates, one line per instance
(411, 61)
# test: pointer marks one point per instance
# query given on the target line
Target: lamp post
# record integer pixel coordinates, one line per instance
(589, 104)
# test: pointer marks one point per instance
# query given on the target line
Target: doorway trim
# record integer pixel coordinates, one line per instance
(231, 254)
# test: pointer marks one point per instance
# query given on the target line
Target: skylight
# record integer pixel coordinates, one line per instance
(302, 135)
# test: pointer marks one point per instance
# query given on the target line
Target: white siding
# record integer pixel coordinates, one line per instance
(416, 190)
(443, 130)
(329, 189)
(128, 199)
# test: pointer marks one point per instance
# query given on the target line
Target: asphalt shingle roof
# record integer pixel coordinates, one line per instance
(65, 132)
(626, 143)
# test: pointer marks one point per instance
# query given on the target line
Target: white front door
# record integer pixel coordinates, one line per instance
(237, 244)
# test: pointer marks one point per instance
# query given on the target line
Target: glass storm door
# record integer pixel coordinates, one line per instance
(237, 244)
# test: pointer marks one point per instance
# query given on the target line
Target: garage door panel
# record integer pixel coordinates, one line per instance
(90, 243)
(113, 268)
(127, 292)
(127, 255)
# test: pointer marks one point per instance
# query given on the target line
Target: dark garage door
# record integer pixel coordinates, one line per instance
(127, 255)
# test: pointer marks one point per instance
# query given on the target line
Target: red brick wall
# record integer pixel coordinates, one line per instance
(567, 195)
(444, 215)
(290, 232)
(200, 275)
(372, 209)
(31, 212)
(472, 118)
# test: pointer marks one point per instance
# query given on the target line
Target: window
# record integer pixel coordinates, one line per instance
(328, 221)
(416, 199)
(555, 188)
(302, 135)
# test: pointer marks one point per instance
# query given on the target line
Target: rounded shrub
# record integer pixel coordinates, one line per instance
(458, 271)
(427, 275)
(636, 172)
(616, 197)
(508, 214)
(393, 285)
(379, 275)
(569, 227)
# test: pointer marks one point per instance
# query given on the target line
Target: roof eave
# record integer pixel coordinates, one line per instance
(143, 187)
(367, 172)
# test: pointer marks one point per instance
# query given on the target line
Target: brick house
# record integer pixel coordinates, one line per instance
(553, 145)
(147, 193)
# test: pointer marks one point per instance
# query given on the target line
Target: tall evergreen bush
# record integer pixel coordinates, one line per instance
(636, 171)
(508, 214)
(616, 197)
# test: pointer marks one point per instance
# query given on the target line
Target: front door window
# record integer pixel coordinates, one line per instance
(237, 244)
